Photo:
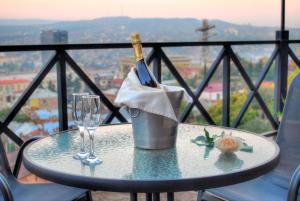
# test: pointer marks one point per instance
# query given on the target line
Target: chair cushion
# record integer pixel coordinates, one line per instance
(45, 192)
(261, 189)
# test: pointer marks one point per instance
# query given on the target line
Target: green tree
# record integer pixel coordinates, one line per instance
(21, 117)
(192, 82)
(194, 116)
(167, 75)
(256, 125)
(236, 102)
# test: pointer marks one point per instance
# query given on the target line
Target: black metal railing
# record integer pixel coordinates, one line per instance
(157, 56)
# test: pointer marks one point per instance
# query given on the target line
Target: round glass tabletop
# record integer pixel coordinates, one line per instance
(128, 169)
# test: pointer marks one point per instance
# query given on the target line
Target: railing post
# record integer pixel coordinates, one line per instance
(281, 73)
(226, 89)
(62, 92)
(157, 64)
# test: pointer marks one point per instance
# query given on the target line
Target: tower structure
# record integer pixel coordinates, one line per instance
(52, 37)
(204, 29)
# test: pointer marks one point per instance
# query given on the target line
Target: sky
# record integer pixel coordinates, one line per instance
(256, 12)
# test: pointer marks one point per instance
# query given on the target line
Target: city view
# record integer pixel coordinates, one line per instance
(107, 68)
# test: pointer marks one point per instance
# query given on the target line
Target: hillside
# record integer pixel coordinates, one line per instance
(117, 29)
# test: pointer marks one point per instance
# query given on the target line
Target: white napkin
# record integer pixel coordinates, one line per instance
(153, 100)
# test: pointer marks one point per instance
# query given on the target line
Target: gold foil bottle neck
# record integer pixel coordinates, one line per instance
(137, 46)
(135, 38)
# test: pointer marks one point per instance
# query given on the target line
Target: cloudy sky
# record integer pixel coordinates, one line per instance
(257, 12)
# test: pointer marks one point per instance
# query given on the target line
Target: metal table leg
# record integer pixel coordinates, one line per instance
(200, 195)
(148, 196)
(133, 197)
(156, 196)
(170, 196)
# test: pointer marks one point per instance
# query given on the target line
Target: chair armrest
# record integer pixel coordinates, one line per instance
(20, 156)
(270, 133)
(294, 185)
(5, 189)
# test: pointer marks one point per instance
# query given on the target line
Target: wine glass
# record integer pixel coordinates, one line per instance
(91, 121)
(77, 107)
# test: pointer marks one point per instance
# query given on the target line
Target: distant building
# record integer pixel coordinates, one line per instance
(26, 130)
(48, 119)
(213, 92)
(126, 63)
(10, 90)
(268, 85)
(52, 37)
(43, 99)
(116, 83)
(181, 61)
(189, 72)
(111, 93)
(53, 127)
(45, 115)
(103, 79)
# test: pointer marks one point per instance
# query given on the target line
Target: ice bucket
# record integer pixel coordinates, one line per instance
(152, 131)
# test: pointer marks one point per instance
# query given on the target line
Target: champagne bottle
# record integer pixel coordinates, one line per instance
(141, 66)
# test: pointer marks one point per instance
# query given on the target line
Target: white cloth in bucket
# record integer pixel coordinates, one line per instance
(153, 100)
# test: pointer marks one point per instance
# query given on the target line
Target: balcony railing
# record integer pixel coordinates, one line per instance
(156, 56)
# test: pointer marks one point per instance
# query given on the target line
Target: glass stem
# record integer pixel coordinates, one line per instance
(81, 131)
(92, 144)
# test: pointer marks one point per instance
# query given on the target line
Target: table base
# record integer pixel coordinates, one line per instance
(152, 196)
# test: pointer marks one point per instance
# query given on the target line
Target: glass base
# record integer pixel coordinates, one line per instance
(81, 156)
(91, 161)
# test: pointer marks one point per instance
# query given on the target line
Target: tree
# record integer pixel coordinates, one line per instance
(167, 75)
(194, 116)
(236, 102)
(256, 125)
(192, 82)
(20, 118)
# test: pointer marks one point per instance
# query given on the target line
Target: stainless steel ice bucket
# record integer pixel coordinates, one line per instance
(152, 131)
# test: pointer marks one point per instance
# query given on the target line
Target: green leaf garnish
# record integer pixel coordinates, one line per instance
(245, 147)
(209, 140)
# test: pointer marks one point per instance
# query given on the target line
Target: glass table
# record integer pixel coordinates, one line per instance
(127, 169)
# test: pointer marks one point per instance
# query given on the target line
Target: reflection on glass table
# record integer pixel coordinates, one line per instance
(228, 162)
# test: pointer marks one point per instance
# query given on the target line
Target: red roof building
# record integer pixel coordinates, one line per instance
(214, 87)
(10, 90)
(213, 92)
(117, 82)
(14, 81)
(189, 72)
